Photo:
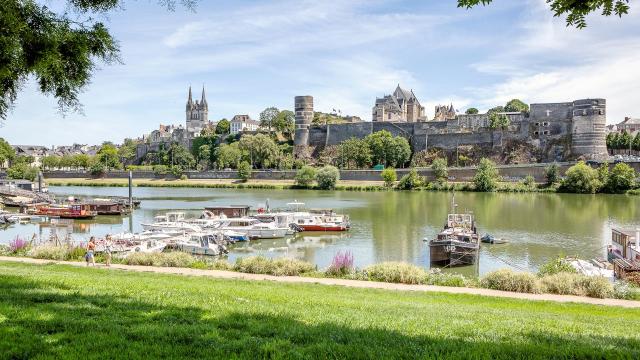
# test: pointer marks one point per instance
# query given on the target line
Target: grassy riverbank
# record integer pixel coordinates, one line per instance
(58, 311)
(346, 185)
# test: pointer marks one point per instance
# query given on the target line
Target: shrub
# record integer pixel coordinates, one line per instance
(48, 252)
(22, 171)
(220, 264)
(305, 176)
(487, 177)
(445, 279)
(562, 283)
(625, 290)
(327, 177)
(341, 264)
(389, 176)
(507, 280)
(160, 170)
(396, 272)
(244, 171)
(621, 178)
(278, 267)
(97, 169)
(596, 286)
(552, 174)
(581, 179)
(171, 259)
(440, 172)
(529, 181)
(555, 266)
(176, 171)
(411, 181)
(183, 177)
(18, 246)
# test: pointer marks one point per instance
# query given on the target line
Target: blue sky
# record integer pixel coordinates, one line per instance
(255, 54)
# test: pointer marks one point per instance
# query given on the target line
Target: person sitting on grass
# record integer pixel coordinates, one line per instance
(91, 247)
(107, 250)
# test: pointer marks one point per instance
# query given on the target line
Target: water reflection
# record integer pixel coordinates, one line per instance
(386, 226)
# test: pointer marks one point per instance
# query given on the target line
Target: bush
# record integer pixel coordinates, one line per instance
(411, 181)
(97, 169)
(621, 178)
(625, 290)
(327, 177)
(582, 179)
(176, 171)
(22, 171)
(529, 181)
(171, 259)
(555, 266)
(440, 172)
(487, 177)
(341, 264)
(183, 177)
(508, 280)
(48, 252)
(396, 272)
(596, 286)
(389, 176)
(244, 171)
(160, 170)
(445, 279)
(19, 246)
(562, 283)
(305, 176)
(278, 267)
(552, 174)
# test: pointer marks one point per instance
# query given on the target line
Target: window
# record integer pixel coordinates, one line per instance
(536, 133)
(546, 132)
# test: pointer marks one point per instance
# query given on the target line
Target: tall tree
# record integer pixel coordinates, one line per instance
(471, 110)
(223, 127)
(574, 10)
(268, 117)
(107, 155)
(516, 105)
(60, 50)
(7, 153)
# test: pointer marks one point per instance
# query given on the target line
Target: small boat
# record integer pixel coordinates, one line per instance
(254, 228)
(172, 222)
(317, 219)
(457, 244)
(74, 211)
(490, 239)
(202, 244)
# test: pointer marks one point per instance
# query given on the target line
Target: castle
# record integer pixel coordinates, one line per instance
(401, 106)
(560, 131)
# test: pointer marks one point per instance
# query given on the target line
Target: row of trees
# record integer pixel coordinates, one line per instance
(623, 140)
(379, 148)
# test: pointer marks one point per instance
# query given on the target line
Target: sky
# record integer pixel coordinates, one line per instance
(250, 55)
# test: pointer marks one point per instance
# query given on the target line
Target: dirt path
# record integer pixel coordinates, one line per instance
(341, 282)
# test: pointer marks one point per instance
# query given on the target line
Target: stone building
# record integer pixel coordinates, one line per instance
(401, 106)
(241, 123)
(197, 114)
(560, 131)
(444, 112)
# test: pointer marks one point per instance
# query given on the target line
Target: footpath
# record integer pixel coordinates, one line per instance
(341, 282)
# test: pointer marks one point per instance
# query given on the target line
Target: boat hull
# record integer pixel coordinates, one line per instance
(324, 227)
(197, 250)
(453, 253)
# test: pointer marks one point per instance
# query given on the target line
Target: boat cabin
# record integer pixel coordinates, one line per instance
(625, 244)
(242, 222)
(203, 240)
(464, 221)
(107, 207)
(231, 211)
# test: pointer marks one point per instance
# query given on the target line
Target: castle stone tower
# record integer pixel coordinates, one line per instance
(303, 108)
(588, 134)
(197, 114)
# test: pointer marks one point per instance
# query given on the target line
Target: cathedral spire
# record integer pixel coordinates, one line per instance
(190, 99)
(203, 100)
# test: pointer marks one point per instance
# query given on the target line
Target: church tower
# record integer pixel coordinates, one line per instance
(197, 114)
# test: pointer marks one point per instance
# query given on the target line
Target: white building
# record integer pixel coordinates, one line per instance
(241, 123)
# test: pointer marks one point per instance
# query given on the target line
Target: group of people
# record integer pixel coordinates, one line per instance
(91, 248)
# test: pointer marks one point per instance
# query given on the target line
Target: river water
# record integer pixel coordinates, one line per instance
(386, 226)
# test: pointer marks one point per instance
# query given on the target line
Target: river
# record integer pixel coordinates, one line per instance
(386, 226)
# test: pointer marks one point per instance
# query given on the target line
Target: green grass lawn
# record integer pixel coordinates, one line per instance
(55, 311)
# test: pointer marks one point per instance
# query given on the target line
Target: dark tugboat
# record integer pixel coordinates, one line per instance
(457, 244)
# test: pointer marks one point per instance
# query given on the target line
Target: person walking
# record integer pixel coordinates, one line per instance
(107, 250)
(91, 247)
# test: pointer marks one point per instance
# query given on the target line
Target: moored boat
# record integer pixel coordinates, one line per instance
(74, 211)
(457, 244)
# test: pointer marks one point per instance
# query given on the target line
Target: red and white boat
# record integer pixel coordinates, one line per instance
(318, 219)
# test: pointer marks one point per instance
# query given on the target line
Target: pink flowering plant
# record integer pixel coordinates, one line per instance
(18, 246)
(341, 264)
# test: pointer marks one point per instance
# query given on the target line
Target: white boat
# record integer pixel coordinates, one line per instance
(172, 223)
(254, 228)
(148, 246)
(317, 219)
(201, 244)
